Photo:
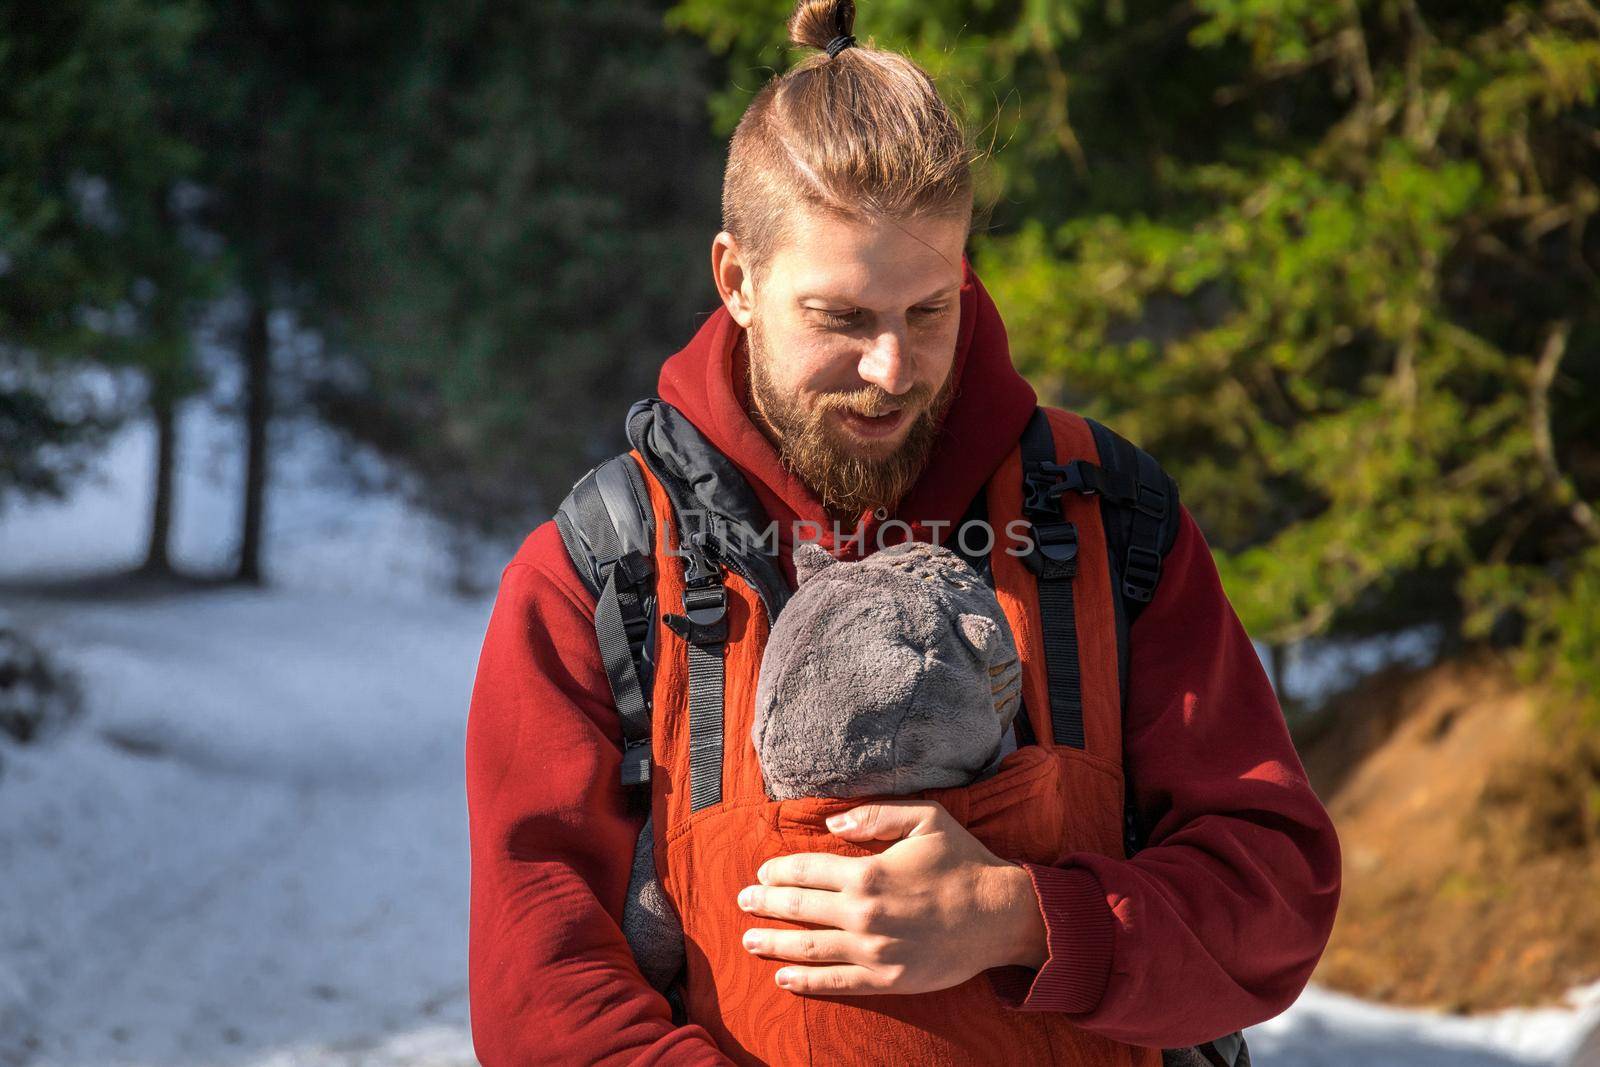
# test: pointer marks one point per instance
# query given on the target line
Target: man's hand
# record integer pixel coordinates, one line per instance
(929, 912)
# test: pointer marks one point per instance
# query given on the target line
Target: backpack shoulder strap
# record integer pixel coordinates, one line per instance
(608, 527)
(1139, 509)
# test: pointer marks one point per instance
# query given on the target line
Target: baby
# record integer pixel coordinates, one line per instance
(886, 676)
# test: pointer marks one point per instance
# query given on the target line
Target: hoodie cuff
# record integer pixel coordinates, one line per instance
(1079, 932)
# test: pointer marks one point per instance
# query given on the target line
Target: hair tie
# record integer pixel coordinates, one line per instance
(839, 44)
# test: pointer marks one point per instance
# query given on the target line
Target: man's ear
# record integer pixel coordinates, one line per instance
(732, 279)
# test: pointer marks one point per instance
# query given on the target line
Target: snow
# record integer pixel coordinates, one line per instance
(1328, 1029)
(251, 850)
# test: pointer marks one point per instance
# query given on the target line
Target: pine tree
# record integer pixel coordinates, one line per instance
(521, 245)
(1332, 261)
(94, 269)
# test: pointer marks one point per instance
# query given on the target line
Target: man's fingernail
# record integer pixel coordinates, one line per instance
(744, 898)
(751, 940)
(839, 822)
(784, 979)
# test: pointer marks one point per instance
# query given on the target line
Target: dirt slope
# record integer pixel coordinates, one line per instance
(1471, 846)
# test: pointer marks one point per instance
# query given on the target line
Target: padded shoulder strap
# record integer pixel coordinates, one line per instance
(608, 528)
(1139, 509)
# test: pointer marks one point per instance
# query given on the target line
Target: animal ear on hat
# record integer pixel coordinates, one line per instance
(810, 558)
(979, 632)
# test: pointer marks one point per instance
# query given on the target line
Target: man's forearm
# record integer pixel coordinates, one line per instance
(1219, 921)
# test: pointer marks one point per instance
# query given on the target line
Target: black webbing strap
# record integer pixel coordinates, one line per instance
(1131, 480)
(602, 503)
(704, 625)
(1054, 560)
(1139, 510)
(612, 613)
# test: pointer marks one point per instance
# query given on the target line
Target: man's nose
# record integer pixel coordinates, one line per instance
(887, 364)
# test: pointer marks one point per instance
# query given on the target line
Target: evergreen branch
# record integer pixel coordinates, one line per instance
(1555, 349)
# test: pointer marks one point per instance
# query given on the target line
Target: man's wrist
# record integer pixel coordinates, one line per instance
(1025, 943)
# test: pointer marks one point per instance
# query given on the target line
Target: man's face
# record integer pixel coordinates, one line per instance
(852, 337)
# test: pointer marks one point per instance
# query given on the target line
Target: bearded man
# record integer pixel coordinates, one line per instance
(857, 375)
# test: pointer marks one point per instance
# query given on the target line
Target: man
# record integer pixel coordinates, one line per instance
(857, 374)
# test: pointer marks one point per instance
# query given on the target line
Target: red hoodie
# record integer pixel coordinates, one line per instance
(1215, 926)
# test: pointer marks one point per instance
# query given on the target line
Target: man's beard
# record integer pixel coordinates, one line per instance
(830, 462)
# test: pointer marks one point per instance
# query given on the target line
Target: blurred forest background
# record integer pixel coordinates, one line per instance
(1335, 262)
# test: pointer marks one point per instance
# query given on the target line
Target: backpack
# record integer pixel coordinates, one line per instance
(608, 527)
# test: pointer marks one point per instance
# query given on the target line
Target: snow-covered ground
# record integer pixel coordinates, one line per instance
(252, 848)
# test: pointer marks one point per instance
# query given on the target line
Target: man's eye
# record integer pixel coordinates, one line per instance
(933, 311)
(837, 319)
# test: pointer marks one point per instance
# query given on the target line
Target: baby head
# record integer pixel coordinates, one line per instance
(887, 675)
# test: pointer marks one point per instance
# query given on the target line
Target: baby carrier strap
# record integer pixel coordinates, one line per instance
(608, 527)
(1054, 561)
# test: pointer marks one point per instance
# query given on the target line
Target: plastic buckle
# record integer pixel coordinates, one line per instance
(1055, 550)
(702, 567)
(1042, 482)
(636, 761)
(1140, 575)
(1082, 477)
(636, 626)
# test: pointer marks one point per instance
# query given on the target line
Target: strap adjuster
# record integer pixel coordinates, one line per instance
(1055, 550)
(634, 567)
(1142, 572)
(1151, 501)
(636, 761)
(705, 616)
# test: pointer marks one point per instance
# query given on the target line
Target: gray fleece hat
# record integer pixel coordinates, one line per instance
(887, 675)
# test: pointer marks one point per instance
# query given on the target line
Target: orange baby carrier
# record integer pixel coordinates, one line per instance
(668, 540)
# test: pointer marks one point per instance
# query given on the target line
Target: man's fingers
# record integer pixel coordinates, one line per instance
(889, 820)
(815, 870)
(817, 906)
(809, 946)
(841, 979)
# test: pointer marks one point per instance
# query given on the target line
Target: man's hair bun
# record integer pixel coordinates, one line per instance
(866, 137)
(817, 22)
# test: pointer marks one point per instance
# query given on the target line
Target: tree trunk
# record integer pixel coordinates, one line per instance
(258, 413)
(163, 406)
(1278, 662)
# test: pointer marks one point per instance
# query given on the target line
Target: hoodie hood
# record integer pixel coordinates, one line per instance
(708, 382)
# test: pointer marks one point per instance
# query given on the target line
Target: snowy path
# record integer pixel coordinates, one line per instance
(268, 864)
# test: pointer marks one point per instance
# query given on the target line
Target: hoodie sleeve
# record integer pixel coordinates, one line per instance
(1219, 921)
(550, 975)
